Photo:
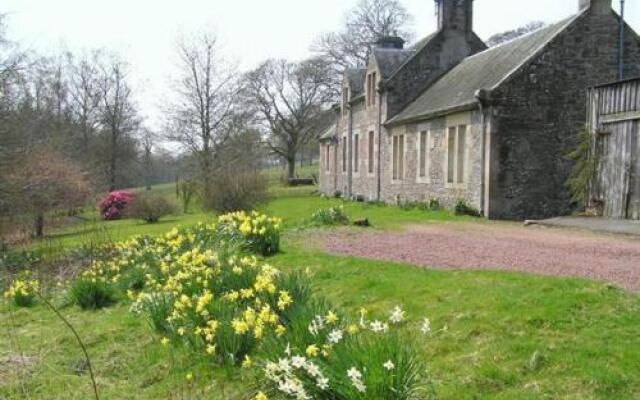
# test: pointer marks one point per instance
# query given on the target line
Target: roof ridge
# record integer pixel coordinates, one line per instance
(561, 25)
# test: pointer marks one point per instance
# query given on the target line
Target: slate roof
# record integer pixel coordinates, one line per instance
(414, 50)
(389, 60)
(423, 42)
(328, 134)
(356, 81)
(484, 70)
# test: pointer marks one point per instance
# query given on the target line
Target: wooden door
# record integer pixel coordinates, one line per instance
(633, 204)
(615, 144)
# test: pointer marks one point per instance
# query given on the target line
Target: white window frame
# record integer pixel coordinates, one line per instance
(457, 184)
(427, 155)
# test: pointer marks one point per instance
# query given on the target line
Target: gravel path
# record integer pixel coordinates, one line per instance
(501, 246)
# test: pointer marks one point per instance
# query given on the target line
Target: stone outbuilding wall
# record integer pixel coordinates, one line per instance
(540, 110)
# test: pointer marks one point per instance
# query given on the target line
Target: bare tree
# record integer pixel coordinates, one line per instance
(118, 114)
(204, 115)
(11, 57)
(84, 97)
(367, 22)
(289, 99)
(502, 37)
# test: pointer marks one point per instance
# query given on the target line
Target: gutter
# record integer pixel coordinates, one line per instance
(379, 166)
(349, 152)
(434, 114)
(483, 96)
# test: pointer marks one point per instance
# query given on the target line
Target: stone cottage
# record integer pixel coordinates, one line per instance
(450, 119)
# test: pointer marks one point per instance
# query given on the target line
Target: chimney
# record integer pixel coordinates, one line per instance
(455, 15)
(390, 42)
(599, 7)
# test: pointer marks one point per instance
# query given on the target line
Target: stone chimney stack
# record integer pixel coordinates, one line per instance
(456, 15)
(598, 7)
(390, 42)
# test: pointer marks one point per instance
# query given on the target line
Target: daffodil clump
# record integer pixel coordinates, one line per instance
(23, 290)
(199, 287)
(260, 232)
(330, 216)
(337, 359)
(222, 306)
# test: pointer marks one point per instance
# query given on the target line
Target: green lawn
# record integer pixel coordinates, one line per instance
(496, 335)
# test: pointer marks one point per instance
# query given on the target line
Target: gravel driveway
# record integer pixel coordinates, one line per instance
(501, 246)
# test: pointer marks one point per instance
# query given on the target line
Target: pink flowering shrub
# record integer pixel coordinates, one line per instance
(113, 206)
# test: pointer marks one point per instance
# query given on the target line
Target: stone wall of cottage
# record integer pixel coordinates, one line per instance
(365, 120)
(327, 172)
(412, 187)
(539, 112)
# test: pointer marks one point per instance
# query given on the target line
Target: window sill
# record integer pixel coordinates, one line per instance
(463, 186)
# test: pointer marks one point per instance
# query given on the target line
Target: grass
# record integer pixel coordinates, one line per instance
(496, 335)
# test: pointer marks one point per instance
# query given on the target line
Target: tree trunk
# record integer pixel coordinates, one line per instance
(39, 226)
(207, 184)
(113, 164)
(291, 168)
(148, 168)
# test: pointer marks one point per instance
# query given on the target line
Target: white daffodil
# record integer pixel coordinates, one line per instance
(397, 315)
(426, 326)
(335, 336)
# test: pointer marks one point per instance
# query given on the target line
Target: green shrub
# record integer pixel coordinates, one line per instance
(18, 260)
(330, 216)
(585, 166)
(431, 205)
(237, 191)
(434, 205)
(462, 208)
(92, 294)
(150, 207)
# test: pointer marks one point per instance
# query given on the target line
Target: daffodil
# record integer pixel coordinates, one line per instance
(331, 318)
(312, 351)
(261, 396)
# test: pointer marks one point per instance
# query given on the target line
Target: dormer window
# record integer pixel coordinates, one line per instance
(372, 81)
(345, 99)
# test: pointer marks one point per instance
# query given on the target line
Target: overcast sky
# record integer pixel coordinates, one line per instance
(144, 31)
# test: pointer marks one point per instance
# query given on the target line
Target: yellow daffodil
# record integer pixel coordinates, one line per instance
(312, 351)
